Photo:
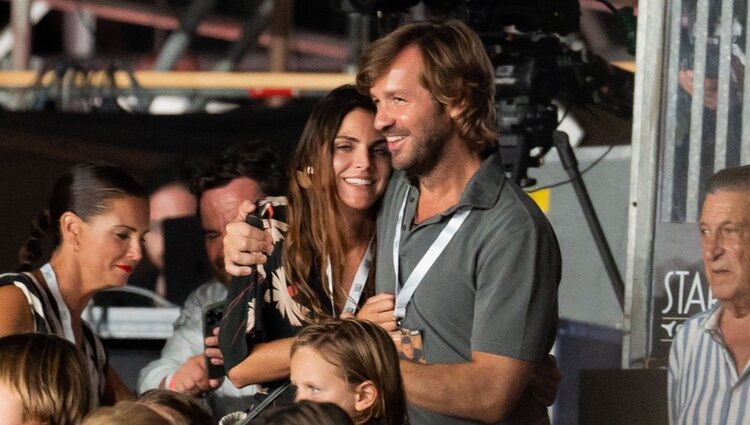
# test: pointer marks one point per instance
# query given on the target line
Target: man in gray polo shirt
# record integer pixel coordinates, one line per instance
(477, 267)
(478, 263)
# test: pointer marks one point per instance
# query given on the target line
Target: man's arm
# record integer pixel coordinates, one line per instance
(175, 353)
(485, 389)
(460, 389)
(182, 360)
(515, 312)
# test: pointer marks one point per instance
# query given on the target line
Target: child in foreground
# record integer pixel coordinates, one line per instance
(353, 364)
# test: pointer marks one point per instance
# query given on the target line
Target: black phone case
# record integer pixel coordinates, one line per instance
(212, 315)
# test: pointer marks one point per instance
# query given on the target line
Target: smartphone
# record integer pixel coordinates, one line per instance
(212, 315)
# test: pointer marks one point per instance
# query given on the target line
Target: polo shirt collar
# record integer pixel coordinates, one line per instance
(484, 188)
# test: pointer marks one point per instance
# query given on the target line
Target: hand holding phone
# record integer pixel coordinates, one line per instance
(212, 315)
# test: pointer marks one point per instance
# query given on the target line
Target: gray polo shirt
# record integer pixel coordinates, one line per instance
(494, 287)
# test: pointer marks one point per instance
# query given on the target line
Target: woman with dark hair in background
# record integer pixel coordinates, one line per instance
(98, 216)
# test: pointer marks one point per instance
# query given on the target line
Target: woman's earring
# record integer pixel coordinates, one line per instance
(303, 177)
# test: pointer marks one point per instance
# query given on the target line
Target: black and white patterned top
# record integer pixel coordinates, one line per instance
(48, 320)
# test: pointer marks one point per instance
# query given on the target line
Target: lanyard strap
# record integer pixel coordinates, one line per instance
(404, 294)
(51, 279)
(358, 284)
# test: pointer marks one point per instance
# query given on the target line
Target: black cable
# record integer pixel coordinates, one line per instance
(585, 170)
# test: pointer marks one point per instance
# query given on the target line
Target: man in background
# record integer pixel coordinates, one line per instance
(174, 236)
(246, 171)
(709, 373)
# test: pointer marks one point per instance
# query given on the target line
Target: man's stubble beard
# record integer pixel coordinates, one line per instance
(427, 151)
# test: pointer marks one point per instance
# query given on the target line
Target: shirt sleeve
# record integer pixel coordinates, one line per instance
(186, 341)
(515, 308)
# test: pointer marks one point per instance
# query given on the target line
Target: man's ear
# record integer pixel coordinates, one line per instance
(456, 110)
(70, 229)
(367, 394)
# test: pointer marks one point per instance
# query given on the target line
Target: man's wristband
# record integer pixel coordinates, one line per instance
(169, 382)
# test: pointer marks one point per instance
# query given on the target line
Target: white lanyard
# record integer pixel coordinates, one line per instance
(404, 295)
(51, 279)
(358, 284)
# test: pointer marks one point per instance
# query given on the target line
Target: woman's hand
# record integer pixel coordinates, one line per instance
(379, 309)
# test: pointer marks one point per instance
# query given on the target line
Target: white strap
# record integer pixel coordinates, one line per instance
(404, 294)
(358, 284)
(51, 279)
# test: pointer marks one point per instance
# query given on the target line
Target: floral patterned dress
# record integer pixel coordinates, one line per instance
(264, 309)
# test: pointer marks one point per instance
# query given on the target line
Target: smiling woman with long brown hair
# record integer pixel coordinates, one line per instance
(320, 266)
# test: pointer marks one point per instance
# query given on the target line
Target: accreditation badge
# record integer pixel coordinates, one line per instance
(409, 344)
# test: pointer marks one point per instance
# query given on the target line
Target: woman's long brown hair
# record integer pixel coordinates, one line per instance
(314, 232)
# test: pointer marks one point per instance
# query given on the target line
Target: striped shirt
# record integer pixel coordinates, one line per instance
(47, 319)
(704, 386)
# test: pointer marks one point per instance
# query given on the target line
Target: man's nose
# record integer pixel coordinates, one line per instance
(712, 246)
(383, 118)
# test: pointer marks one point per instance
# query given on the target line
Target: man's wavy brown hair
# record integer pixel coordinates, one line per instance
(455, 70)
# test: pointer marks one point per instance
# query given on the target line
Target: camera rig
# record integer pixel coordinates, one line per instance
(532, 68)
(533, 64)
